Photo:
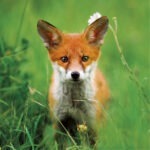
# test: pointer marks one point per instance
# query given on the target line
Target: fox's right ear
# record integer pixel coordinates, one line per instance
(50, 35)
(95, 32)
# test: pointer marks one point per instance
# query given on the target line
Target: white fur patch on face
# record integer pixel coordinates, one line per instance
(84, 74)
(89, 71)
(65, 75)
(59, 71)
(68, 74)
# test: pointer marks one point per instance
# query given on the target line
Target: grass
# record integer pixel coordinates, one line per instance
(24, 80)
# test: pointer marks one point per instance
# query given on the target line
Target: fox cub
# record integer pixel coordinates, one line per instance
(78, 89)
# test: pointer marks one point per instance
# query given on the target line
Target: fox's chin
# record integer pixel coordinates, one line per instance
(74, 80)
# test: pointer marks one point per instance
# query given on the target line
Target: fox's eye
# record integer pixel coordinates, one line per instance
(64, 59)
(85, 58)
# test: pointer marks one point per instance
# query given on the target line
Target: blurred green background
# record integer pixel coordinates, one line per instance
(126, 124)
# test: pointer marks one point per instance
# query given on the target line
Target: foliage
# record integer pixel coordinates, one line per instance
(21, 120)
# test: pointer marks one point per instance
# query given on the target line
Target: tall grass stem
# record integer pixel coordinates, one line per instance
(21, 23)
(126, 65)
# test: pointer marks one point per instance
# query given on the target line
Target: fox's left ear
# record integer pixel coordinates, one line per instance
(50, 35)
(95, 32)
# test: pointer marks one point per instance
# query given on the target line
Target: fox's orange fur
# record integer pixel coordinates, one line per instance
(78, 88)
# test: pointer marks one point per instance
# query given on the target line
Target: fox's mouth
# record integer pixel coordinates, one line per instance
(74, 81)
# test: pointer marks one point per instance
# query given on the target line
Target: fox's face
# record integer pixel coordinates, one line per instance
(74, 56)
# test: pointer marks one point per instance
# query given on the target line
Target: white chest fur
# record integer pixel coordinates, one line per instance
(75, 99)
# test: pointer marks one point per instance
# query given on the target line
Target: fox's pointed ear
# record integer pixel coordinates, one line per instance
(49, 34)
(95, 32)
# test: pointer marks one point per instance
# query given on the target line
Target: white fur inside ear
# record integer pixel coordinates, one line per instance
(46, 45)
(94, 17)
(45, 40)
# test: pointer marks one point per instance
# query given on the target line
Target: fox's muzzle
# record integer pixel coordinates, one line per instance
(75, 75)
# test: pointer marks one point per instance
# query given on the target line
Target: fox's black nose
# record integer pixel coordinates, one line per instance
(75, 75)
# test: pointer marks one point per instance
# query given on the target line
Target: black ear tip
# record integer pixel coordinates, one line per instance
(40, 22)
(104, 19)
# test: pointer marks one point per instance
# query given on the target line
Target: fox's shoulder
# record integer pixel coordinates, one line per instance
(102, 90)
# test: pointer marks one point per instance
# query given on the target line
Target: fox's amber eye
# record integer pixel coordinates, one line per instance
(85, 58)
(64, 59)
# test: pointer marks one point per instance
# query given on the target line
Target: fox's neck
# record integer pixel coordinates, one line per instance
(74, 90)
(78, 91)
(74, 98)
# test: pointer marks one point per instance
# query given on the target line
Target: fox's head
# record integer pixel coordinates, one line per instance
(74, 56)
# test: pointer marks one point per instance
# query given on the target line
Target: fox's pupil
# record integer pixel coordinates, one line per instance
(85, 58)
(64, 59)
